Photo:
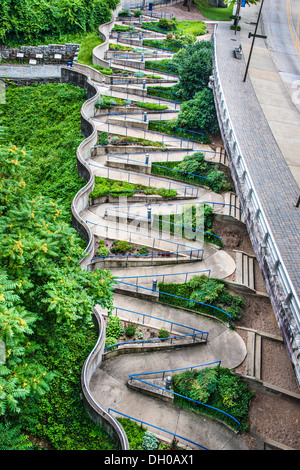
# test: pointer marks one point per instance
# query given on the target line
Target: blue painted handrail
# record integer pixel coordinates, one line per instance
(196, 402)
(178, 297)
(156, 427)
(161, 253)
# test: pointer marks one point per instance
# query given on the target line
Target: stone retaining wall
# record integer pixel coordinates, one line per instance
(49, 54)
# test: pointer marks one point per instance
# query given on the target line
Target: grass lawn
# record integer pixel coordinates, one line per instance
(89, 41)
(196, 28)
(213, 13)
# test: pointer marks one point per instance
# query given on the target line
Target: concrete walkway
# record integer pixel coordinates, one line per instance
(109, 383)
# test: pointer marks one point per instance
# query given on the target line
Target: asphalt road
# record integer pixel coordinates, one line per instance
(280, 21)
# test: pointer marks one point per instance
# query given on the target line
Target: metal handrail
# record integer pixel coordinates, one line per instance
(145, 235)
(156, 427)
(258, 214)
(179, 297)
(196, 402)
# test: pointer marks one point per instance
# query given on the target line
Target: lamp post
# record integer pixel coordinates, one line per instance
(254, 35)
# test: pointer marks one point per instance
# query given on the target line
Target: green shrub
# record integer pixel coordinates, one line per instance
(108, 102)
(130, 329)
(209, 291)
(119, 47)
(104, 186)
(167, 24)
(124, 12)
(35, 23)
(196, 165)
(151, 106)
(163, 333)
(150, 442)
(110, 341)
(219, 388)
(134, 432)
(121, 247)
(103, 251)
(114, 327)
(102, 138)
(167, 193)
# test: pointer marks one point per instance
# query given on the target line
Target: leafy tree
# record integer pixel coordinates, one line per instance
(41, 282)
(11, 438)
(30, 21)
(194, 67)
(199, 114)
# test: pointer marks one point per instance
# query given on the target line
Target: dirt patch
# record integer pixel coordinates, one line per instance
(234, 235)
(259, 315)
(275, 418)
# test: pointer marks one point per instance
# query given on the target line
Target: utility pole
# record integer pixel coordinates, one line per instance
(255, 35)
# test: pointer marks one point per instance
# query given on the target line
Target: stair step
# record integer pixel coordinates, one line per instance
(245, 269)
(253, 362)
(233, 207)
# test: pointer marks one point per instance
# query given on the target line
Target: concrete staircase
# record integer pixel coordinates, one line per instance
(233, 206)
(220, 152)
(245, 270)
(253, 362)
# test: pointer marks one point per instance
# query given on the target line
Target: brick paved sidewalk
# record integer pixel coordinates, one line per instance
(274, 184)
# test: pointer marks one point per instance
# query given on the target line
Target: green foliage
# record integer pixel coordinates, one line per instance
(85, 53)
(119, 47)
(163, 333)
(46, 300)
(151, 106)
(11, 438)
(194, 67)
(103, 251)
(130, 329)
(105, 186)
(121, 247)
(150, 442)
(55, 111)
(171, 43)
(143, 250)
(196, 28)
(194, 218)
(217, 387)
(215, 13)
(123, 28)
(204, 289)
(105, 102)
(135, 433)
(114, 327)
(125, 12)
(168, 24)
(164, 65)
(199, 113)
(191, 169)
(33, 21)
(169, 93)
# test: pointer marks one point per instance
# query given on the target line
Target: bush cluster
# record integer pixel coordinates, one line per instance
(191, 169)
(105, 186)
(33, 21)
(219, 388)
(209, 291)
